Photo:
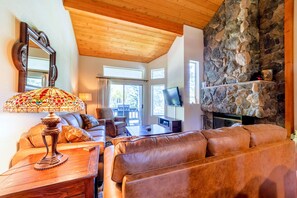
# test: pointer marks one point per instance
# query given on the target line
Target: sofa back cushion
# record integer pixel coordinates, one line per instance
(265, 133)
(144, 154)
(73, 119)
(227, 139)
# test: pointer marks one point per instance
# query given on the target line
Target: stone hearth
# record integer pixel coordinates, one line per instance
(253, 98)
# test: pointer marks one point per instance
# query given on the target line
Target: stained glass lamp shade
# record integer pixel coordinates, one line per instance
(49, 99)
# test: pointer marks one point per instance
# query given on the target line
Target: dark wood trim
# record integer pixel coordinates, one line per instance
(20, 54)
(289, 75)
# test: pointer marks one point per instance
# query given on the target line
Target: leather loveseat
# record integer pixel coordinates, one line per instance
(32, 143)
(241, 161)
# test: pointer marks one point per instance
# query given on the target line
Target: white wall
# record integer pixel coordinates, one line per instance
(175, 74)
(160, 62)
(193, 41)
(50, 17)
(295, 64)
(90, 67)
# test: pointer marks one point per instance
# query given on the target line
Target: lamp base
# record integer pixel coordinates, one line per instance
(50, 162)
(55, 158)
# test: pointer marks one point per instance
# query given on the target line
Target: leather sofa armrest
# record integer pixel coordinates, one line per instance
(111, 188)
(102, 122)
(120, 119)
(24, 142)
(21, 154)
(110, 128)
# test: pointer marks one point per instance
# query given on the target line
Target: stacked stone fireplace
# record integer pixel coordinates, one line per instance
(244, 38)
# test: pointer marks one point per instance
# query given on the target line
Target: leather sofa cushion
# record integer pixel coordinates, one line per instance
(265, 133)
(35, 137)
(63, 121)
(225, 140)
(72, 120)
(97, 133)
(143, 154)
(96, 128)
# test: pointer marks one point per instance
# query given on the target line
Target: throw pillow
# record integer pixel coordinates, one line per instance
(89, 121)
(73, 134)
(35, 137)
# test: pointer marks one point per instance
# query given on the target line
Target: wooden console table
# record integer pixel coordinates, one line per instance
(75, 178)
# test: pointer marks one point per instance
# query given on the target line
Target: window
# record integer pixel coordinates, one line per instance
(122, 72)
(193, 94)
(157, 99)
(158, 73)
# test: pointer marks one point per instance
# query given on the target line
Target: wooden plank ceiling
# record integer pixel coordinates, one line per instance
(134, 30)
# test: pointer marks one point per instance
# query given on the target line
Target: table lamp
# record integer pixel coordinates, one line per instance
(85, 97)
(48, 99)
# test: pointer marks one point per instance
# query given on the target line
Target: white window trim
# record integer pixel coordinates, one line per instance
(158, 69)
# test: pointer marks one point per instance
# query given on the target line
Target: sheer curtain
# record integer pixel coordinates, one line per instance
(103, 93)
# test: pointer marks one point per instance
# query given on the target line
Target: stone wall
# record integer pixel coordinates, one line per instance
(244, 37)
(271, 14)
(231, 41)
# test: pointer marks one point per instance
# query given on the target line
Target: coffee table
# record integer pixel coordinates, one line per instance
(142, 130)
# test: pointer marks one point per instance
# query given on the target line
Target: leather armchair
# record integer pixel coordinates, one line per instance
(115, 125)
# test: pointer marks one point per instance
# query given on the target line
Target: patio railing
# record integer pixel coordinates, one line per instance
(131, 114)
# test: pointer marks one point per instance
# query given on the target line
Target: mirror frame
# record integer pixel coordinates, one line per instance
(20, 54)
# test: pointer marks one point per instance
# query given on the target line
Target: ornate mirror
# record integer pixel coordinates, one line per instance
(35, 59)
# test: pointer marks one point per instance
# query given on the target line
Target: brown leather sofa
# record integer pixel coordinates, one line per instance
(28, 145)
(241, 161)
(115, 125)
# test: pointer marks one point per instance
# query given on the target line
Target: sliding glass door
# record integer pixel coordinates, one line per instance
(126, 100)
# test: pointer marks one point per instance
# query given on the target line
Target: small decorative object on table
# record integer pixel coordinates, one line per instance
(267, 74)
(48, 99)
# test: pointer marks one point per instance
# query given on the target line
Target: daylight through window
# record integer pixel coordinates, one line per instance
(122, 72)
(158, 73)
(157, 99)
(193, 94)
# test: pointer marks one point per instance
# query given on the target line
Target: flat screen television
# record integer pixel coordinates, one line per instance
(172, 97)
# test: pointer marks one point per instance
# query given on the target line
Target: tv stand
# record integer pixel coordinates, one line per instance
(170, 123)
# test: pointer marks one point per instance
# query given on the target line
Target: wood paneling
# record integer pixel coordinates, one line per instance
(134, 30)
(106, 37)
(289, 75)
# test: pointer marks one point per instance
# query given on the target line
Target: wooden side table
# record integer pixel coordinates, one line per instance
(75, 178)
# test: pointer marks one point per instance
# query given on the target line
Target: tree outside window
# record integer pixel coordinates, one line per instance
(158, 104)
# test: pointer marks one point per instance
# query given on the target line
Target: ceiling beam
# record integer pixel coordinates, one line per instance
(105, 9)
